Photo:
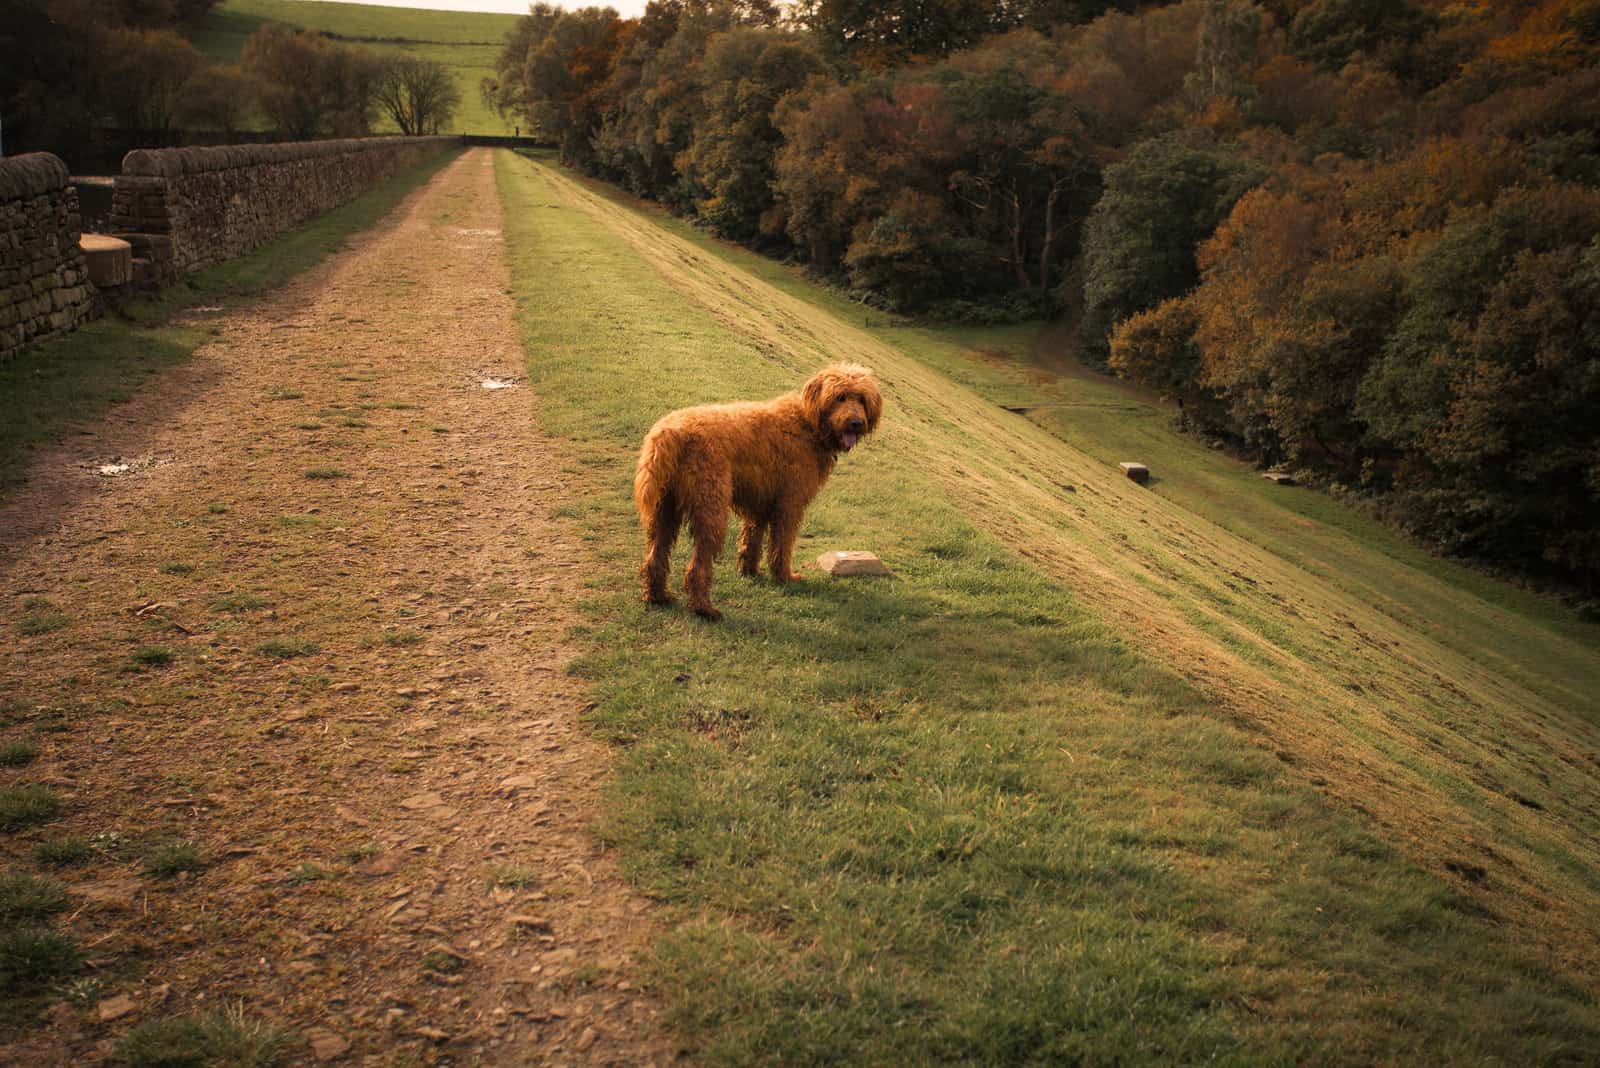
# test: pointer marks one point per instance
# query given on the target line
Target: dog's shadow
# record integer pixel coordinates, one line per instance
(924, 631)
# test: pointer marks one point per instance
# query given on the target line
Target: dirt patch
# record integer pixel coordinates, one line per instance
(361, 712)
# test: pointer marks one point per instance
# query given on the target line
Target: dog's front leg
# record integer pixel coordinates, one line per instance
(780, 551)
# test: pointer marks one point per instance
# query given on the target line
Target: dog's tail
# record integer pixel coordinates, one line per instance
(652, 479)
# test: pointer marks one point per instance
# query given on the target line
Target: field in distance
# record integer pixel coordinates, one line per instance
(465, 41)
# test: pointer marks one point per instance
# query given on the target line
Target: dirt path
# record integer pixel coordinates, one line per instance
(347, 552)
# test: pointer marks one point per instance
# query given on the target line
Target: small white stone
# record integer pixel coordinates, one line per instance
(851, 563)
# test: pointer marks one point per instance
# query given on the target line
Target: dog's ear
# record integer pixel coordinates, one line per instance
(817, 394)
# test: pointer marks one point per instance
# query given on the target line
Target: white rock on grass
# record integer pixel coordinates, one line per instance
(852, 563)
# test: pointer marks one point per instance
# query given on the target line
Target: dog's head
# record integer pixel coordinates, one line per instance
(843, 403)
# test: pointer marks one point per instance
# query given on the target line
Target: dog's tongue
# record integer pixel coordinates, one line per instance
(848, 441)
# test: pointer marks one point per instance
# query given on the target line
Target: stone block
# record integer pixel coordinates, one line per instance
(853, 563)
(1138, 472)
(109, 259)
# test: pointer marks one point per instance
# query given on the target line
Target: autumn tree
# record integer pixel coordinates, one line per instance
(1286, 325)
(218, 96)
(653, 94)
(656, 96)
(880, 34)
(1392, 34)
(418, 95)
(1226, 50)
(1486, 391)
(1122, 70)
(729, 159)
(150, 69)
(862, 185)
(311, 86)
(1027, 166)
(1140, 239)
(553, 74)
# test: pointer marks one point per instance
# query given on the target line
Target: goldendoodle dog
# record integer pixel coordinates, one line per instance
(763, 460)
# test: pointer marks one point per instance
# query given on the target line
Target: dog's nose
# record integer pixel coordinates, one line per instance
(856, 425)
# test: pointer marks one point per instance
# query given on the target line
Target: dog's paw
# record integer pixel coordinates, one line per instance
(706, 612)
(662, 600)
(794, 576)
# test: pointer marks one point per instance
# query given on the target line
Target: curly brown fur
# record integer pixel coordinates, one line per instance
(764, 460)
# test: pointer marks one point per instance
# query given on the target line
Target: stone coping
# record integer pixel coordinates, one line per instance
(102, 243)
(176, 162)
(31, 174)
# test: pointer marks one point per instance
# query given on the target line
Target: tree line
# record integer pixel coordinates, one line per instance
(1357, 237)
(73, 66)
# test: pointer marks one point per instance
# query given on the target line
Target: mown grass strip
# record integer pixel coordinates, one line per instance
(73, 379)
(953, 818)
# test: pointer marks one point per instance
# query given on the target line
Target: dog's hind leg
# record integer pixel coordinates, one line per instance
(661, 531)
(751, 537)
(708, 526)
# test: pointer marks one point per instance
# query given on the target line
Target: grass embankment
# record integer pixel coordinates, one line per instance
(959, 816)
(467, 42)
(75, 378)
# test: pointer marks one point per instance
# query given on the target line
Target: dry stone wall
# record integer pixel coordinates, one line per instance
(44, 288)
(188, 208)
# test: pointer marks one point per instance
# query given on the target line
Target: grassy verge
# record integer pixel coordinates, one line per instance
(75, 378)
(955, 817)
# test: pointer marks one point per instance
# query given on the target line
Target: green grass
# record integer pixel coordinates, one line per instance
(960, 817)
(327, 473)
(307, 872)
(29, 898)
(287, 648)
(150, 656)
(227, 1039)
(238, 602)
(16, 754)
(166, 859)
(442, 961)
(43, 622)
(512, 876)
(24, 806)
(62, 852)
(33, 956)
(466, 42)
(77, 377)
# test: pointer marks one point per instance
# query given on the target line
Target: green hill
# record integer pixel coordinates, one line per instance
(1204, 769)
(465, 41)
